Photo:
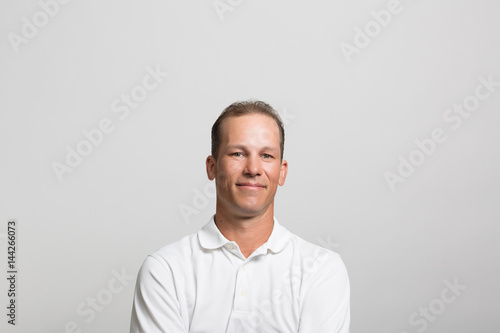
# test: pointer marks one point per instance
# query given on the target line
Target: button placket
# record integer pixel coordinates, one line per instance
(241, 300)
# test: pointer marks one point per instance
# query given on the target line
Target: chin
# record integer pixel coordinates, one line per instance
(253, 210)
(249, 211)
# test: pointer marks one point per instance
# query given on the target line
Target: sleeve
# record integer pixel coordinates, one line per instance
(156, 308)
(326, 305)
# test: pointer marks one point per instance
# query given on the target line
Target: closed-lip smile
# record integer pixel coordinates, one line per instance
(253, 185)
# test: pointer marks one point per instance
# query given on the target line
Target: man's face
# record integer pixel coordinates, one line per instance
(248, 168)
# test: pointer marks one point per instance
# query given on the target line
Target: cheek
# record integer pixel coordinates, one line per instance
(274, 174)
(222, 179)
(225, 173)
(229, 170)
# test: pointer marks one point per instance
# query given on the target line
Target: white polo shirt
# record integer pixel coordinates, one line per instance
(203, 283)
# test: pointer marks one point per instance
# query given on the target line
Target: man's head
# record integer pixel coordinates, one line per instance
(242, 108)
(247, 158)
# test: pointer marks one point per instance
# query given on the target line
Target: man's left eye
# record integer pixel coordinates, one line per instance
(267, 156)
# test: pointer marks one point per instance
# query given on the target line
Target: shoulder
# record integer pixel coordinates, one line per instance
(316, 258)
(174, 253)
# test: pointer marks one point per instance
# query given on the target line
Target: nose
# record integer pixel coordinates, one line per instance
(252, 166)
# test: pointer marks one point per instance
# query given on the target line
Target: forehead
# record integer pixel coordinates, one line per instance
(255, 129)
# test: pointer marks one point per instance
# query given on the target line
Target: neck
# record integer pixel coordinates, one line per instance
(249, 232)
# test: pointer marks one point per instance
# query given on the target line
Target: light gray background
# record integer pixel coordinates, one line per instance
(347, 125)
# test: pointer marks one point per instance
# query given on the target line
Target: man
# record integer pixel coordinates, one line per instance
(243, 271)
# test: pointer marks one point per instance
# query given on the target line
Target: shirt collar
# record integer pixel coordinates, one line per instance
(211, 238)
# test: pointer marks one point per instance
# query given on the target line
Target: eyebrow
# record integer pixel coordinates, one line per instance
(239, 146)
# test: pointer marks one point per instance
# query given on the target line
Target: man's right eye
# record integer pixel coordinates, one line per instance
(236, 154)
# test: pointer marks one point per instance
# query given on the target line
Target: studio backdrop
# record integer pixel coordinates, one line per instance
(391, 112)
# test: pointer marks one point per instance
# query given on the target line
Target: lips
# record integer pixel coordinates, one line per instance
(251, 185)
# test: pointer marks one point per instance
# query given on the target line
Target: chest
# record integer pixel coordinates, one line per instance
(258, 295)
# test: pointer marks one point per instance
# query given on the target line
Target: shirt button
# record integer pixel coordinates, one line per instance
(244, 267)
(230, 246)
(243, 293)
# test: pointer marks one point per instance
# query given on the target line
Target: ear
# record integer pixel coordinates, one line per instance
(211, 167)
(283, 172)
